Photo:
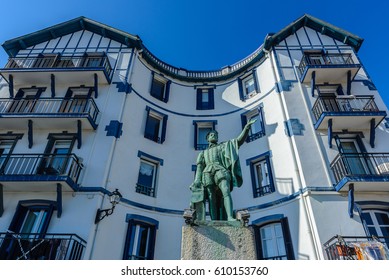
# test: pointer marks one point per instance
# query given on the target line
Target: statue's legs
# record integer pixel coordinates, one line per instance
(212, 201)
(224, 186)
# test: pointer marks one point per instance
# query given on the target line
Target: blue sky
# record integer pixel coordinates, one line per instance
(210, 34)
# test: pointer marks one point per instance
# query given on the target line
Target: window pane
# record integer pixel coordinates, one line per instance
(257, 126)
(202, 133)
(146, 174)
(143, 242)
(249, 85)
(382, 218)
(366, 217)
(157, 89)
(152, 128)
(204, 95)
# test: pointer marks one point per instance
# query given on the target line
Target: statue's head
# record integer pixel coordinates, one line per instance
(212, 136)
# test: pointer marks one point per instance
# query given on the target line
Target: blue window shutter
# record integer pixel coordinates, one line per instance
(243, 119)
(199, 100)
(211, 99)
(164, 124)
(253, 180)
(287, 238)
(147, 119)
(256, 85)
(240, 85)
(195, 134)
(167, 91)
(260, 112)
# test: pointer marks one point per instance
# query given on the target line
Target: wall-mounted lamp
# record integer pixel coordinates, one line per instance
(114, 198)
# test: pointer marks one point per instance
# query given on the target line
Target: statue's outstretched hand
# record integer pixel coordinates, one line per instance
(250, 123)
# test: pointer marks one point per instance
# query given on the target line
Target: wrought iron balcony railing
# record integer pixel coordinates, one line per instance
(146, 190)
(52, 107)
(317, 60)
(36, 246)
(357, 248)
(343, 104)
(68, 166)
(61, 62)
(360, 164)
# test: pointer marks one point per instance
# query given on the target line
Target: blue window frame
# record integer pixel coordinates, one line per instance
(257, 130)
(155, 128)
(205, 99)
(201, 128)
(29, 224)
(148, 174)
(140, 239)
(160, 87)
(273, 238)
(248, 85)
(261, 174)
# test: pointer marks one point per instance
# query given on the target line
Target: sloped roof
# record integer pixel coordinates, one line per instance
(13, 46)
(81, 23)
(321, 26)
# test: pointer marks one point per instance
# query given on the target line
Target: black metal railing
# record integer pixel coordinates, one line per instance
(357, 248)
(312, 60)
(345, 103)
(146, 190)
(360, 164)
(41, 165)
(263, 190)
(58, 62)
(60, 107)
(37, 246)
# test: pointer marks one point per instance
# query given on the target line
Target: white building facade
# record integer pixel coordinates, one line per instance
(86, 109)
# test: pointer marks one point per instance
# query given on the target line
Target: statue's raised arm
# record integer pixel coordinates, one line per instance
(245, 132)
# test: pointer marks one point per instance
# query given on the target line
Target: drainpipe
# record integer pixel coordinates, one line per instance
(296, 165)
(127, 78)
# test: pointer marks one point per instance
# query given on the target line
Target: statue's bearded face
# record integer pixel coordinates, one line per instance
(212, 137)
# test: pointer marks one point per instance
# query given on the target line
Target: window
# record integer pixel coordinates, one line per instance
(273, 238)
(201, 130)
(93, 59)
(261, 175)
(46, 60)
(248, 86)
(7, 144)
(376, 222)
(160, 87)
(155, 128)
(25, 100)
(147, 175)
(57, 154)
(31, 218)
(140, 240)
(76, 100)
(205, 99)
(257, 130)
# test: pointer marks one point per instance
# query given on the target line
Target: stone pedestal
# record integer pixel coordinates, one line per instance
(218, 240)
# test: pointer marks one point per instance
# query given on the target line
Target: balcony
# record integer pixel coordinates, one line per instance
(39, 172)
(48, 113)
(364, 171)
(347, 112)
(357, 248)
(327, 67)
(34, 246)
(72, 69)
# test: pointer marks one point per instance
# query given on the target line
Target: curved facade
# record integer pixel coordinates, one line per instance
(94, 104)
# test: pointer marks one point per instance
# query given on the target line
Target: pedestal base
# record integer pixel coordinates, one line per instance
(218, 240)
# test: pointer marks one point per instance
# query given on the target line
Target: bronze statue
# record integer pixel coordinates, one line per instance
(218, 172)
